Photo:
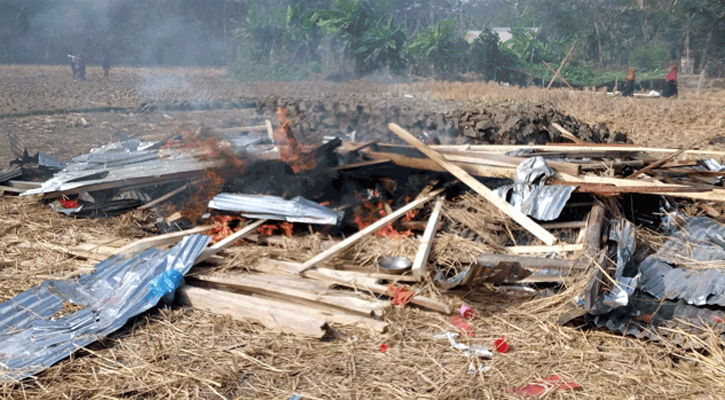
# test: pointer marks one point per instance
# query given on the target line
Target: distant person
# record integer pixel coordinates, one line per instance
(73, 66)
(106, 65)
(671, 83)
(629, 83)
(81, 66)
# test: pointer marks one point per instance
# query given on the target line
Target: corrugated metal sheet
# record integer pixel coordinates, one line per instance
(530, 195)
(665, 273)
(32, 337)
(622, 232)
(649, 318)
(298, 209)
(119, 166)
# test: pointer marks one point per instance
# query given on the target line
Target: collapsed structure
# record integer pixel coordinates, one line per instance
(541, 215)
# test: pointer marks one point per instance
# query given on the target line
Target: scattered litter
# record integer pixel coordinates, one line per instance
(500, 345)
(401, 295)
(459, 323)
(383, 348)
(467, 312)
(472, 350)
(549, 385)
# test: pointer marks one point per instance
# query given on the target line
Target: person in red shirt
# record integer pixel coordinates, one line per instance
(671, 83)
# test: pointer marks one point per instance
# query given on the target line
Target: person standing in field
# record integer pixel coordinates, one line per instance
(629, 83)
(73, 67)
(81, 66)
(671, 83)
(106, 65)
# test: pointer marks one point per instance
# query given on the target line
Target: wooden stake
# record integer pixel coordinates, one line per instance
(477, 186)
(560, 77)
(370, 229)
(561, 66)
(426, 242)
(568, 135)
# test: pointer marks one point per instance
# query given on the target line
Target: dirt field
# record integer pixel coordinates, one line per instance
(180, 353)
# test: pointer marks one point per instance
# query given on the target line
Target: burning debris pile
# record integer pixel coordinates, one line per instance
(347, 230)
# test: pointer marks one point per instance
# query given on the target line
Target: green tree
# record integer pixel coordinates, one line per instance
(440, 50)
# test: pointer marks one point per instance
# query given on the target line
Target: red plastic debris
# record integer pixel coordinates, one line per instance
(401, 295)
(383, 348)
(467, 312)
(548, 385)
(500, 345)
(459, 323)
(68, 203)
(717, 319)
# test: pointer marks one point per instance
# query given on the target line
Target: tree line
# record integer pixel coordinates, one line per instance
(287, 39)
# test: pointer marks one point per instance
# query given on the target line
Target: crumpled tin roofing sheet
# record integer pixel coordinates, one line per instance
(298, 209)
(120, 166)
(530, 195)
(701, 240)
(623, 233)
(32, 339)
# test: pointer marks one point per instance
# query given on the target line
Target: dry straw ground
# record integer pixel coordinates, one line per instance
(179, 353)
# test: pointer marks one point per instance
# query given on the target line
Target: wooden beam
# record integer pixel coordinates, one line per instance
(368, 230)
(164, 197)
(559, 76)
(665, 160)
(559, 248)
(426, 242)
(574, 148)
(270, 129)
(477, 186)
(429, 165)
(270, 285)
(162, 240)
(564, 225)
(568, 54)
(354, 281)
(271, 314)
(566, 134)
(525, 262)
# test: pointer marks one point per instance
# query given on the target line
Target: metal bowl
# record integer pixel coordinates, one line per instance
(394, 265)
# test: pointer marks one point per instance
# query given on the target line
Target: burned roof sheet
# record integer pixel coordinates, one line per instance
(33, 333)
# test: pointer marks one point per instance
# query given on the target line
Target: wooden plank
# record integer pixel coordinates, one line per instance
(374, 227)
(573, 148)
(354, 281)
(593, 236)
(269, 285)
(477, 186)
(566, 134)
(270, 314)
(428, 165)
(270, 130)
(665, 160)
(164, 197)
(556, 74)
(559, 248)
(229, 240)
(162, 240)
(526, 262)
(564, 225)
(426, 242)
(25, 185)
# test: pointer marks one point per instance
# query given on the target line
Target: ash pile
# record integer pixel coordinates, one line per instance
(323, 235)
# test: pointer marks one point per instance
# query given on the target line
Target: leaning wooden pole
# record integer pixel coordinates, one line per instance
(561, 66)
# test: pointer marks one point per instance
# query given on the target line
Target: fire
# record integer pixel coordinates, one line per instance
(270, 229)
(222, 227)
(369, 213)
(290, 150)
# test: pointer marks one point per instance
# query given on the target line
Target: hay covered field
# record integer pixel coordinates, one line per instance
(180, 353)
